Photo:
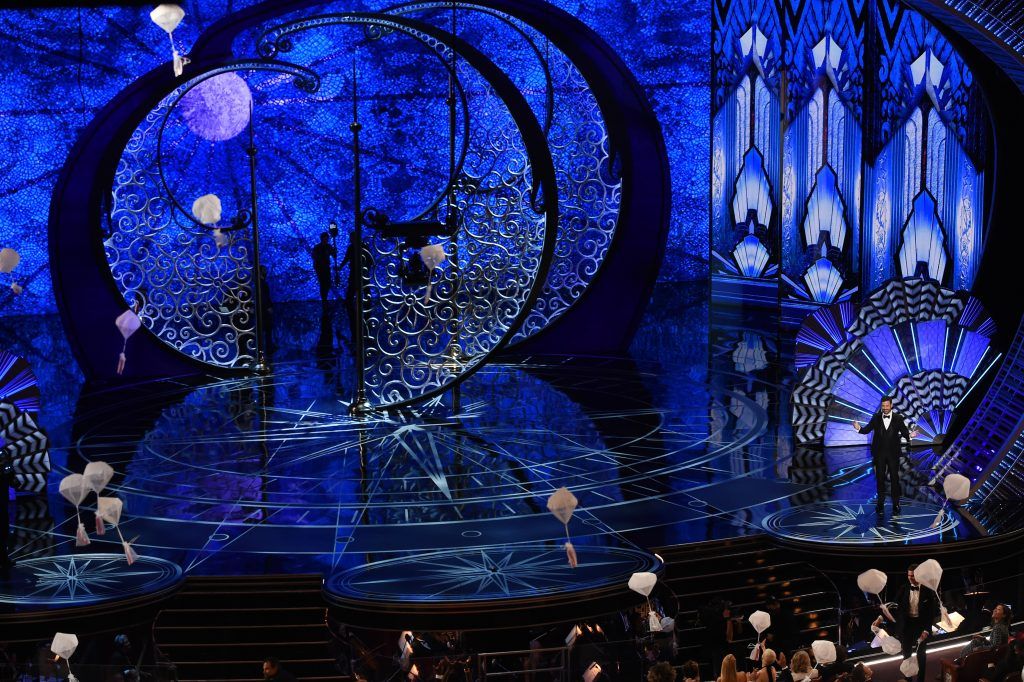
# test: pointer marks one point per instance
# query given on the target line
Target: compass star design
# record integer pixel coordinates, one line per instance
(85, 579)
(498, 573)
(849, 523)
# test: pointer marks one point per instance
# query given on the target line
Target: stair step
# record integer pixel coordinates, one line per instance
(247, 669)
(185, 634)
(247, 616)
(213, 651)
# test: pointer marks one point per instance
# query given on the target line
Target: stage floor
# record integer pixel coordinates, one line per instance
(684, 440)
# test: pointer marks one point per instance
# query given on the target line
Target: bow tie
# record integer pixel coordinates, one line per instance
(914, 589)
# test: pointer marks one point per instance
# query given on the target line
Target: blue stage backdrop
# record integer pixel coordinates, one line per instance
(62, 65)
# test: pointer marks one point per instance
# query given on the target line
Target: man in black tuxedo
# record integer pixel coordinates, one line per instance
(888, 427)
(918, 611)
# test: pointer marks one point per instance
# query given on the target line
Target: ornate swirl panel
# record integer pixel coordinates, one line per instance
(589, 182)
(191, 287)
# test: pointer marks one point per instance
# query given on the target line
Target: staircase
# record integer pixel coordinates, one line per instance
(994, 425)
(221, 628)
(753, 569)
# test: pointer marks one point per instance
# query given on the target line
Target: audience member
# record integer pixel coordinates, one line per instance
(729, 672)
(767, 672)
(691, 671)
(999, 635)
(661, 672)
(273, 670)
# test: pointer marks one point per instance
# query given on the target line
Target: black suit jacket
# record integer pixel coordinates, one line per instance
(886, 442)
(928, 611)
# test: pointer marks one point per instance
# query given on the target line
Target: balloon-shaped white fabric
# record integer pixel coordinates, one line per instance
(9, 259)
(73, 489)
(891, 645)
(64, 644)
(109, 509)
(760, 621)
(668, 624)
(167, 16)
(909, 667)
(929, 574)
(957, 487)
(97, 475)
(879, 636)
(562, 504)
(824, 651)
(643, 583)
(872, 581)
(207, 209)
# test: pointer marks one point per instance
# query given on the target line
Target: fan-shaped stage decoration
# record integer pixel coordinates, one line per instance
(823, 279)
(109, 509)
(207, 209)
(127, 323)
(74, 489)
(24, 450)
(167, 17)
(929, 574)
(9, 259)
(218, 108)
(823, 331)
(912, 339)
(432, 255)
(562, 504)
(18, 384)
(824, 651)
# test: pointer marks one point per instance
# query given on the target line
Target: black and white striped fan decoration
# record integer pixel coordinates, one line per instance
(24, 449)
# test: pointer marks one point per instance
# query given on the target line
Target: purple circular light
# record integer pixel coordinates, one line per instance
(218, 108)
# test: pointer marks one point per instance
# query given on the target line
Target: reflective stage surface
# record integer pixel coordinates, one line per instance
(680, 442)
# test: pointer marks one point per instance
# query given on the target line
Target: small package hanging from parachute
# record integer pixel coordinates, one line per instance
(432, 255)
(562, 504)
(64, 646)
(97, 475)
(74, 489)
(127, 323)
(109, 508)
(167, 17)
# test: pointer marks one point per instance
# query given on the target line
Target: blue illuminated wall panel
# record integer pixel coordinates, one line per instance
(882, 150)
(62, 65)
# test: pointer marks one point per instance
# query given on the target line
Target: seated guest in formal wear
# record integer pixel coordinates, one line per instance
(1012, 662)
(998, 636)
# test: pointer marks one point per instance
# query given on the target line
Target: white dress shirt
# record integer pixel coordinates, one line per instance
(915, 597)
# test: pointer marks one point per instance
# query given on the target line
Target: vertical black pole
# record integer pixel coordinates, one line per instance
(456, 346)
(359, 404)
(261, 360)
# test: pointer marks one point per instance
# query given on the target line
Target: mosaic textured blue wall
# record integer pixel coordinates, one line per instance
(64, 64)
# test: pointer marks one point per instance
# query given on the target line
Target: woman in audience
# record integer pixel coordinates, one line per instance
(729, 673)
(999, 635)
(860, 673)
(800, 667)
(767, 672)
(691, 671)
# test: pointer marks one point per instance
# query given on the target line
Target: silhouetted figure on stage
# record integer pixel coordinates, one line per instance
(889, 428)
(322, 254)
(918, 612)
